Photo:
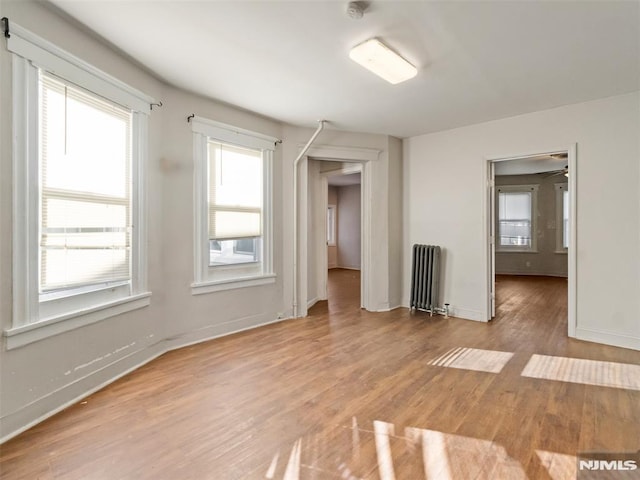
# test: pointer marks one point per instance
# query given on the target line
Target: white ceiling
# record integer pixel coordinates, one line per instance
(477, 60)
(535, 164)
(344, 180)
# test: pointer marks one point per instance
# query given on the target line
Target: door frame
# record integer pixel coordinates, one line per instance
(489, 229)
(366, 157)
(323, 263)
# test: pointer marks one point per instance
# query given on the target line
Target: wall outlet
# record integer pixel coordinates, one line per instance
(280, 316)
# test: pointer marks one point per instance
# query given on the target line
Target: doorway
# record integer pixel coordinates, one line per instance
(531, 226)
(312, 264)
(343, 235)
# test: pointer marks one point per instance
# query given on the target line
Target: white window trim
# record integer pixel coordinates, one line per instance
(533, 189)
(32, 321)
(213, 279)
(560, 189)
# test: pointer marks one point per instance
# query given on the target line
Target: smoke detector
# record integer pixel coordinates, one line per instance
(355, 10)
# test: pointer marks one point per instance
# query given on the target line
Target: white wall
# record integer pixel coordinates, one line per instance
(349, 227)
(445, 205)
(395, 232)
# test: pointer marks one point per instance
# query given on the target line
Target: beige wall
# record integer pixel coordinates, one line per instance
(39, 378)
(349, 233)
(547, 260)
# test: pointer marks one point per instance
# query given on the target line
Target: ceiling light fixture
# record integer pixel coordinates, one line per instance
(384, 62)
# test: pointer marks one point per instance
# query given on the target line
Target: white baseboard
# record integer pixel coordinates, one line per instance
(312, 302)
(389, 309)
(460, 312)
(348, 268)
(467, 314)
(48, 405)
(534, 274)
(211, 332)
(44, 407)
(608, 338)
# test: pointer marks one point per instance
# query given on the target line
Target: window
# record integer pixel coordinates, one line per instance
(235, 203)
(233, 207)
(562, 217)
(516, 219)
(331, 225)
(80, 142)
(85, 208)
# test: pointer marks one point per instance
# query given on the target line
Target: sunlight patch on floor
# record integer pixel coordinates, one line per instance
(473, 359)
(588, 372)
(559, 466)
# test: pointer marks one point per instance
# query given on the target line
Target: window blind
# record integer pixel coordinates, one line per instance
(514, 215)
(85, 177)
(235, 192)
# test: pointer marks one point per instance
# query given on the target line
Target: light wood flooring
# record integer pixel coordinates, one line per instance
(347, 394)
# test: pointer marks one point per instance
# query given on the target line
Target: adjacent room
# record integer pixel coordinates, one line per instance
(327, 239)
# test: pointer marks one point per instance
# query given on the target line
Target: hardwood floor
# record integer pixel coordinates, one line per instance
(348, 394)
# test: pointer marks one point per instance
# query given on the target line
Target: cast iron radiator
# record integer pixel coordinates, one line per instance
(425, 277)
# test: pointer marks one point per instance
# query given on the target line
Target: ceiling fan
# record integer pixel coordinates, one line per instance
(562, 171)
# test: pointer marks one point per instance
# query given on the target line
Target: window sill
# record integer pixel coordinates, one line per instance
(48, 327)
(200, 288)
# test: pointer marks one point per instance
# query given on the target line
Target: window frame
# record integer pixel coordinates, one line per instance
(533, 190)
(207, 278)
(332, 223)
(560, 189)
(34, 318)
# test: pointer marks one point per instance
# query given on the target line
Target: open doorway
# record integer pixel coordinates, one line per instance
(531, 238)
(344, 237)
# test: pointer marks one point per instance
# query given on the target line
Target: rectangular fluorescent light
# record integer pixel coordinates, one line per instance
(384, 62)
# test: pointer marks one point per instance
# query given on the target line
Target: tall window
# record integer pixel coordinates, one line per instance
(78, 154)
(235, 204)
(516, 219)
(85, 172)
(232, 179)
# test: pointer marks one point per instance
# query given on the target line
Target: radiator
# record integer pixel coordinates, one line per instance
(425, 277)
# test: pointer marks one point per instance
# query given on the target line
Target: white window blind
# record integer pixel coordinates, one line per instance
(514, 216)
(235, 192)
(85, 172)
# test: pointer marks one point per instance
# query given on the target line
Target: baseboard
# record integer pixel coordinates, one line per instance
(467, 314)
(348, 268)
(39, 410)
(389, 309)
(312, 302)
(211, 332)
(608, 338)
(458, 312)
(534, 274)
